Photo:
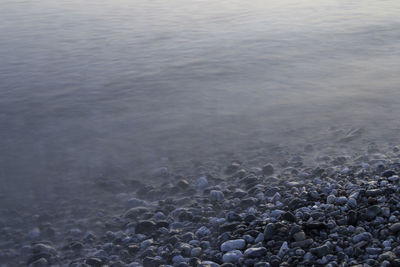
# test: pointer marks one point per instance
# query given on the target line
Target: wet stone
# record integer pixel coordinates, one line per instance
(232, 256)
(321, 251)
(269, 232)
(372, 212)
(289, 216)
(145, 227)
(95, 262)
(236, 244)
(395, 228)
(362, 237)
(299, 236)
(268, 169)
(42, 262)
(255, 252)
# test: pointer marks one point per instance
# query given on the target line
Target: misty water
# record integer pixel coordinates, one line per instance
(120, 88)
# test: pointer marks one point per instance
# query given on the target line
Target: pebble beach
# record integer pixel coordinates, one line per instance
(342, 210)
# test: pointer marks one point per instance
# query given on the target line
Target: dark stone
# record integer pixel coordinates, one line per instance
(135, 212)
(162, 224)
(394, 228)
(145, 227)
(320, 251)
(372, 212)
(315, 225)
(95, 262)
(352, 217)
(233, 217)
(194, 262)
(247, 202)
(42, 262)
(303, 244)
(269, 232)
(374, 192)
(185, 216)
(38, 256)
(296, 203)
(228, 227)
(76, 245)
(133, 249)
(388, 173)
(151, 262)
(249, 218)
(268, 169)
(289, 216)
(255, 252)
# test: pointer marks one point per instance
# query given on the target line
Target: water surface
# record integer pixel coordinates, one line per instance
(90, 88)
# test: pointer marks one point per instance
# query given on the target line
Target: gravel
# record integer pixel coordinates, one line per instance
(301, 209)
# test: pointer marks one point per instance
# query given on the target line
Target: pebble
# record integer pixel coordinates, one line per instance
(284, 249)
(237, 244)
(341, 200)
(395, 228)
(202, 232)
(232, 256)
(216, 196)
(255, 252)
(268, 169)
(202, 183)
(362, 237)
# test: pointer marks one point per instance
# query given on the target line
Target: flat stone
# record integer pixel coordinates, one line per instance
(303, 244)
(269, 232)
(230, 245)
(394, 228)
(365, 236)
(255, 252)
(268, 169)
(145, 227)
(232, 256)
(372, 211)
(321, 251)
(299, 236)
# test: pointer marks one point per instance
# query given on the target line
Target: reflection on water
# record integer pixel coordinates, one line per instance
(90, 86)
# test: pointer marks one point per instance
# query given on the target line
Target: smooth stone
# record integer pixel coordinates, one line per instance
(269, 231)
(203, 231)
(255, 252)
(394, 228)
(299, 236)
(230, 245)
(372, 212)
(388, 173)
(341, 200)
(42, 262)
(268, 169)
(283, 250)
(209, 264)
(330, 199)
(202, 183)
(145, 227)
(321, 251)
(352, 203)
(365, 236)
(289, 216)
(232, 256)
(303, 244)
(151, 262)
(216, 196)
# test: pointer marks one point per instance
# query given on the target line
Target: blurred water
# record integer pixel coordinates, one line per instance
(89, 86)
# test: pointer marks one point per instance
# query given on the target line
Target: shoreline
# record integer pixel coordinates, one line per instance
(341, 211)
